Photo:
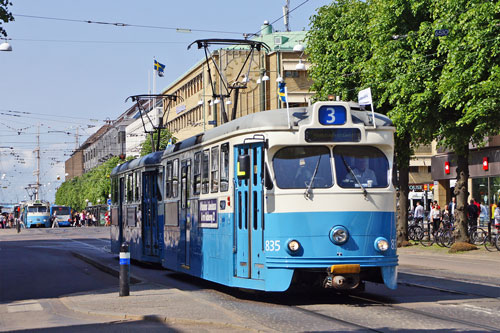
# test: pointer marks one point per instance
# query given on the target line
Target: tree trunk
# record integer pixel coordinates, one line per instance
(402, 222)
(461, 193)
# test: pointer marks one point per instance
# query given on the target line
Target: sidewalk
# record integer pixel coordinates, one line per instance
(480, 266)
(178, 309)
(181, 309)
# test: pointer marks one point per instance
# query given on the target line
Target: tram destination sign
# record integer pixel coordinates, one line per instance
(333, 135)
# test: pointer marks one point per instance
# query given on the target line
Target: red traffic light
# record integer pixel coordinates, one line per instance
(485, 163)
(447, 168)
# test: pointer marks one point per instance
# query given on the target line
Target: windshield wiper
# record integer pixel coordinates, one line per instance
(308, 192)
(356, 178)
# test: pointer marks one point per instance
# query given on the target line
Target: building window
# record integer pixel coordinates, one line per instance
(293, 74)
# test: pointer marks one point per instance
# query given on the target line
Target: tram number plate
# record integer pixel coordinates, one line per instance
(272, 245)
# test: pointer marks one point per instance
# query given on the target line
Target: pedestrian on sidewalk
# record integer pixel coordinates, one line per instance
(436, 216)
(418, 214)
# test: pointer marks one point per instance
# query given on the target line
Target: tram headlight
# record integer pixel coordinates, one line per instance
(339, 235)
(293, 246)
(381, 244)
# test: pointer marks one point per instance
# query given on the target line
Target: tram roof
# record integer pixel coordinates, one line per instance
(153, 158)
(273, 120)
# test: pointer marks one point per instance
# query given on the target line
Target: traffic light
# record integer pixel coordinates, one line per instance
(485, 163)
(447, 168)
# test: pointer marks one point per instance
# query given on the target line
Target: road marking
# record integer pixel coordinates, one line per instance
(24, 306)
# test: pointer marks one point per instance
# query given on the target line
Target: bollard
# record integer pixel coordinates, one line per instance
(124, 270)
(18, 226)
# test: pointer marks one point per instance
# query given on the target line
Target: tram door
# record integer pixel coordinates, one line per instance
(150, 232)
(248, 175)
(121, 215)
(185, 214)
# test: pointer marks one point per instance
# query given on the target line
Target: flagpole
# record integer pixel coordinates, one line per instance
(287, 107)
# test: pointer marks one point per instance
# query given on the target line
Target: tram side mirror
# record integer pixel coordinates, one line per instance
(243, 166)
(268, 182)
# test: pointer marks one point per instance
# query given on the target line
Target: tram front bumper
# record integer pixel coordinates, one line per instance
(344, 276)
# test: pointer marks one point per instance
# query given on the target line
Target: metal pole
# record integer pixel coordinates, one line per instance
(124, 270)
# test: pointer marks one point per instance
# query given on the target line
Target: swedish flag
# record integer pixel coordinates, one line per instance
(159, 68)
(281, 91)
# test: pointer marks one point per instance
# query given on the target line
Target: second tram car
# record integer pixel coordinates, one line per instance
(277, 198)
(136, 216)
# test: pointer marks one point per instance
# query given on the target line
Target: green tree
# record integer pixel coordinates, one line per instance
(94, 185)
(404, 70)
(355, 44)
(469, 84)
(5, 15)
(164, 139)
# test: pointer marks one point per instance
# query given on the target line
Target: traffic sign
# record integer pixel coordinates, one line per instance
(109, 202)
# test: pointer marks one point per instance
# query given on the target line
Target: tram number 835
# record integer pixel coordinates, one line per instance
(272, 245)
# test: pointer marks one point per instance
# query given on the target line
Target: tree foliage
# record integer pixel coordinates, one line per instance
(5, 15)
(165, 137)
(94, 185)
(433, 88)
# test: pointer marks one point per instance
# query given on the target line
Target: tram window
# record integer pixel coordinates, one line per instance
(197, 173)
(168, 178)
(368, 164)
(204, 171)
(129, 188)
(297, 167)
(114, 190)
(159, 186)
(175, 178)
(137, 186)
(224, 170)
(215, 170)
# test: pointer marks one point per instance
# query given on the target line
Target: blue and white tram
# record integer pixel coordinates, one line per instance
(136, 216)
(36, 213)
(282, 197)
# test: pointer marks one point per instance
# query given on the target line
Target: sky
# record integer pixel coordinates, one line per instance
(65, 76)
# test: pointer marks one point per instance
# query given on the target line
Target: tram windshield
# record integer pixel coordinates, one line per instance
(37, 209)
(360, 166)
(297, 167)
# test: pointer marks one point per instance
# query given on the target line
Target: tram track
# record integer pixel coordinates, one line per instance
(427, 314)
(363, 299)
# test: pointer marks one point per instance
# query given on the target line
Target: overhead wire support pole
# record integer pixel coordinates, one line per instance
(139, 99)
(236, 86)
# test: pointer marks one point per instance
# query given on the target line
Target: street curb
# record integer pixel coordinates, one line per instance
(105, 268)
(154, 318)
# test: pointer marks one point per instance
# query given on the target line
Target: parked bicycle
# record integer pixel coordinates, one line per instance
(492, 242)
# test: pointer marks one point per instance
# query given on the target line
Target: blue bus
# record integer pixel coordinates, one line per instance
(36, 213)
(63, 213)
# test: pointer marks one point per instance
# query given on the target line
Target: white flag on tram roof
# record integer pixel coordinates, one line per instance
(365, 97)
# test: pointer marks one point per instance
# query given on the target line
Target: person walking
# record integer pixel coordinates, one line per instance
(418, 214)
(472, 213)
(435, 216)
(451, 207)
(55, 221)
(483, 215)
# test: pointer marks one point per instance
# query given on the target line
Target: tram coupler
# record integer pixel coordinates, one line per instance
(342, 277)
(124, 270)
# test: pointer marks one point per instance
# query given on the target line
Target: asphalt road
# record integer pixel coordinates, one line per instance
(37, 267)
